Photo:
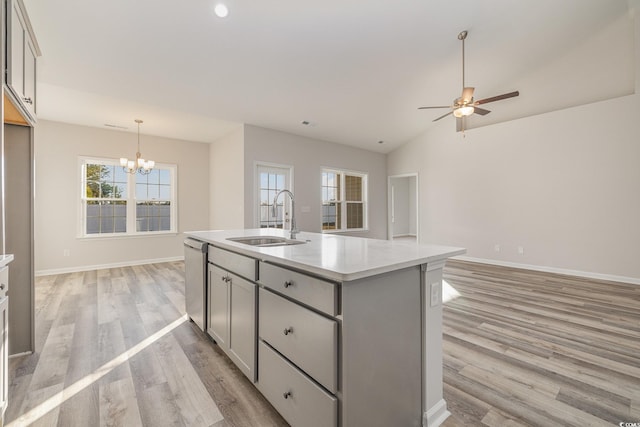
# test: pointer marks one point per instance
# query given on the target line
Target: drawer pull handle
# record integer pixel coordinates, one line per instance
(286, 395)
(288, 283)
(288, 331)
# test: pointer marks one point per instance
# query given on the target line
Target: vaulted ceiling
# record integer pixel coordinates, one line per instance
(356, 70)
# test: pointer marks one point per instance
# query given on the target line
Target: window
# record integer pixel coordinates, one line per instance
(272, 179)
(344, 200)
(116, 203)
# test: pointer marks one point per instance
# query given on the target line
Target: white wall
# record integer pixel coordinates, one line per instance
(227, 182)
(308, 156)
(57, 147)
(400, 206)
(413, 222)
(564, 185)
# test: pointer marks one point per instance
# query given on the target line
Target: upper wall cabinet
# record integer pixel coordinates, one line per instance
(21, 55)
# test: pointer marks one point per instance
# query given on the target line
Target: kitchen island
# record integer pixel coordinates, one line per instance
(334, 331)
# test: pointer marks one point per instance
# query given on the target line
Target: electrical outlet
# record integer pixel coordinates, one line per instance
(496, 247)
(66, 252)
(521, 250)
(436, 294)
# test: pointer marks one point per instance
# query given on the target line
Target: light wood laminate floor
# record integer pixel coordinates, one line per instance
(530, 348)
(520, 348)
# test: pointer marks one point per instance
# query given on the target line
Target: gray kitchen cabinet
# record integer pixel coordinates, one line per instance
(219, 306)
(4, 341)
(22, 52)
(349, 330)
(232, 308)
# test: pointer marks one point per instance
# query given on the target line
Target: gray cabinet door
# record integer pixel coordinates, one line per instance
(242, 318)
(16, 45)
(219, 306)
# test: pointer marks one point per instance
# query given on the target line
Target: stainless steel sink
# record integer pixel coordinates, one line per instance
(266, 241)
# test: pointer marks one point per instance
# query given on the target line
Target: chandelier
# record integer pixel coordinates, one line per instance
(139, 165)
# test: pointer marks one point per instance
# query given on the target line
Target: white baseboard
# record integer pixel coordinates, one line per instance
(105, 266)
(567, 272)
(436, 415)
(24, 353)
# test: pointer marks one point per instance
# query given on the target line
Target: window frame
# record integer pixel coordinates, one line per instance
(130, 200)
(343, 200)
(285, 202)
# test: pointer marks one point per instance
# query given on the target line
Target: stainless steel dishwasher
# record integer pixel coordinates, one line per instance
(195, 286)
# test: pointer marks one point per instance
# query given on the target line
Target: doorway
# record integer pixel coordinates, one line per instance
(403, 207)
(270, 179)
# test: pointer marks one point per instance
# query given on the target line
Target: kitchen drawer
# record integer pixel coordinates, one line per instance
(296, 397)
(239, 264)
(4, 281)
(308, 339)
(317, 293)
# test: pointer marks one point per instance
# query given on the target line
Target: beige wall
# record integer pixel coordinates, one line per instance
(308, 156)
(227, 182)
(564, 185)
(57, 147)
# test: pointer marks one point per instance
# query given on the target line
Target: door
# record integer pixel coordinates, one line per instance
(270, 180)
(403, 207)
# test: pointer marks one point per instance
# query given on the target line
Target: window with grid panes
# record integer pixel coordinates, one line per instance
(116, 203)
(344, 205)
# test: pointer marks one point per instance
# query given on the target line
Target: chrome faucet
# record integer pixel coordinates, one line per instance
(293, 230)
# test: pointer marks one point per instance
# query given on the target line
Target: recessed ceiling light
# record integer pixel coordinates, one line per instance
(380, 142)
(221, 10)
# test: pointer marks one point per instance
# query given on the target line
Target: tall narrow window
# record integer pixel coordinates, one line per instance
(271, 179)
(117, 203)
(153, 201)
(106, 199)
(344, 204)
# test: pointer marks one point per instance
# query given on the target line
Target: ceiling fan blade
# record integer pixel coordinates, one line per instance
(481, 111)
(467, 94)
(497, 98)
(460, 124)
(426, 108)
(443, 116)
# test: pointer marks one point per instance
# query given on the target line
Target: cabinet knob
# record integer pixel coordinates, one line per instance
(226, 278)
(1, 286)
(288, 283)
(286, 395)
(288, 331)
(28, 100)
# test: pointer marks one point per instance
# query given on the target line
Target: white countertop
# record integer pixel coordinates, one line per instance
(336, 257)
(5, 259)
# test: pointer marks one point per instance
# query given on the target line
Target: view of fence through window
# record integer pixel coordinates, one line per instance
(270, 184)
(108, 200)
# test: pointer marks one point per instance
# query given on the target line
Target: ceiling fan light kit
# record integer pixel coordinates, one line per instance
(465, 106)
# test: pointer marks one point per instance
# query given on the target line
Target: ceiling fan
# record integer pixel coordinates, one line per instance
(465, 106)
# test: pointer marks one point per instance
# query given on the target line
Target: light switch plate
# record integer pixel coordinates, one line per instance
(436, 294)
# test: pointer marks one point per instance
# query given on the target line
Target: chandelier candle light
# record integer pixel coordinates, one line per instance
(139, 165)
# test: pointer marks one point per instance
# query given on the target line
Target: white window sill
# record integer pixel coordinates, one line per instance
(350, 230)
(124, 236)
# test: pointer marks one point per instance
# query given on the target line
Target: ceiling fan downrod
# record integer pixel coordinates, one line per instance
(462, 36)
